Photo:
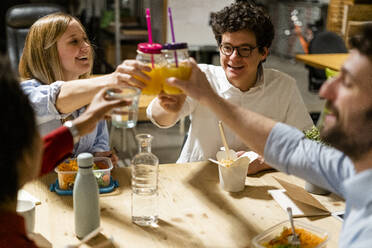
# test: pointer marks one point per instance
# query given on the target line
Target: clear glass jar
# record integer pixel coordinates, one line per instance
(145, 167)
(176, 56)
(151, 55)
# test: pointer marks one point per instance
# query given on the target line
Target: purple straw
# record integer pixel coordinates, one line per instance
(172, 31)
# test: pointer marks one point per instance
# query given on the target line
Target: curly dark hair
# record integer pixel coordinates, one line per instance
(17, 129)
(244, 15)
(363, 41)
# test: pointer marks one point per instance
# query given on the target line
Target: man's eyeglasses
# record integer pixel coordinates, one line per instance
(243, 51)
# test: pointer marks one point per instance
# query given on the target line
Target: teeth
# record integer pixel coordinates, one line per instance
(235, 67)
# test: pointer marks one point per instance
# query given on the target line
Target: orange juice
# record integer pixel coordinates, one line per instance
(182, 72)
(176, 56)
(151, 55)
(155, 85)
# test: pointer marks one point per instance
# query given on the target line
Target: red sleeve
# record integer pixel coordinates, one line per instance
(58, 144)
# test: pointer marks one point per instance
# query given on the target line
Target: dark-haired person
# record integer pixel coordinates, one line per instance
(244, 33)
(24, 155)
(346, 169)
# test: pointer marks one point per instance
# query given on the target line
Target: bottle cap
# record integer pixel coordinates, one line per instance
(174, 46)
(85, 160)
(153, 48)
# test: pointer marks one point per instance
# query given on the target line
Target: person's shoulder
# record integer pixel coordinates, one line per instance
(214, 73)
(278, 77)
(30, 82)
(211, 69)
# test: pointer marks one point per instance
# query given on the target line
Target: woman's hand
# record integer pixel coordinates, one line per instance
(171, 103)
(130, 73)
(96, 111)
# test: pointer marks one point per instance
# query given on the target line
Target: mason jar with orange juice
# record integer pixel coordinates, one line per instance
(150, 54)
(176, 56)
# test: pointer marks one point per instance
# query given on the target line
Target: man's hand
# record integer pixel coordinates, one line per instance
(256, 165)
(171, 103)
(96, 111)
(197, 86)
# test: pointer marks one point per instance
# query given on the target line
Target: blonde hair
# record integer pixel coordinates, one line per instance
(40, 59)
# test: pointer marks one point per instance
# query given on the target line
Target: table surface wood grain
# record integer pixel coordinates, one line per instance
(193, 210)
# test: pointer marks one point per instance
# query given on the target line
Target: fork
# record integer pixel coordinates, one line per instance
(293, 239)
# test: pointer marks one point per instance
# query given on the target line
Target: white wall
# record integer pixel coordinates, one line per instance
(190, 20)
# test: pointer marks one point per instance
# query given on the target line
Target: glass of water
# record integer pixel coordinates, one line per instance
(125, 117)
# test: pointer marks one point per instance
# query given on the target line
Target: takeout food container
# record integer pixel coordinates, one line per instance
(101, 170)
(276, 231)
(232, 175)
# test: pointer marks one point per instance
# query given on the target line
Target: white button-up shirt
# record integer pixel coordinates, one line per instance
(274, 95)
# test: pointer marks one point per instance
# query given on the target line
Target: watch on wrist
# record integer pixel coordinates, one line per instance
(73, 130)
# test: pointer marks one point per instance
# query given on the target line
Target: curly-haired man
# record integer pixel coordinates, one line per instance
(244, 33)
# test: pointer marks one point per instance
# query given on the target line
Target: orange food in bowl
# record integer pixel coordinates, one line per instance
(67, 171)
(307, 239)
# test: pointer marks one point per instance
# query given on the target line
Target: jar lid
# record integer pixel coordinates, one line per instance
(174, 46)
(85, 160)
(153, 48)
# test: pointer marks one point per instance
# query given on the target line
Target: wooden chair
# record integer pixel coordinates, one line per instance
(355, 13)
(353, 28)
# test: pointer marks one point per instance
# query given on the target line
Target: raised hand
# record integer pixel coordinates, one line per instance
(130, 73)
(96, 111)
(171, 103)
(197, 86)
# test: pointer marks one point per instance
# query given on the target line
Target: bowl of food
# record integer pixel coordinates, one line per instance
(67, 171)
(277, 236)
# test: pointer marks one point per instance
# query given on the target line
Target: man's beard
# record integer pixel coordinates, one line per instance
(354, 143)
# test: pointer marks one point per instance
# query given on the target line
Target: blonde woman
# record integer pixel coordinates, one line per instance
(56, 64)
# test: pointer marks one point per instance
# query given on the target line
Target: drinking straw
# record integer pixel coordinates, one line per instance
(223, 137)
(172, 31)
(148, 19)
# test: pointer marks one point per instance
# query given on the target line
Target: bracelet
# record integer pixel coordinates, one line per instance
(74, 132)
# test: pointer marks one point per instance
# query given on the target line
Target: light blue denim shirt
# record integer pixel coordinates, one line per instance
(43, 99)
(288, 150)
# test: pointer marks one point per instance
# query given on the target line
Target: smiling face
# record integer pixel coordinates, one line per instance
(241, 71)
(348, 124)
(74, 51)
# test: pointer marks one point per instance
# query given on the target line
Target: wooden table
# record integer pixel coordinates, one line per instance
(144, 101)
(193, 212)
(332, 61)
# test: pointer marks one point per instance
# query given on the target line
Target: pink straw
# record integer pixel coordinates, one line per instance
(148, 19)
(172, 31)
